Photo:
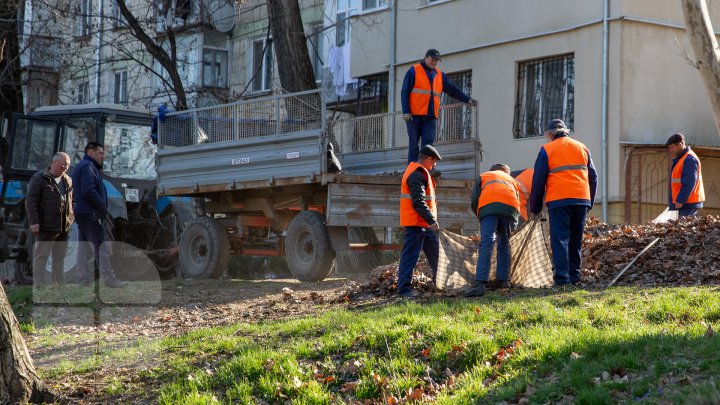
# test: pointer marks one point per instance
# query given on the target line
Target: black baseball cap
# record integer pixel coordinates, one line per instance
(433, 53)
(676, 138)
(429, 150)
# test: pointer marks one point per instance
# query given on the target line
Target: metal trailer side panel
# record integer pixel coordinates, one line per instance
(459, 161)
(225, 164)
(378, 205)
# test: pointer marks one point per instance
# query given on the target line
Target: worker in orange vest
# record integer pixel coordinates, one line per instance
(524, 178)
(566, 180)
(686, 185)
(420, 99)
(418, 214)
(495, 199)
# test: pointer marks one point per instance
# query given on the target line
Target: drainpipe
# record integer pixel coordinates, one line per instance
(391, 90)
(604, 128)
(391, 72)
(99, 50)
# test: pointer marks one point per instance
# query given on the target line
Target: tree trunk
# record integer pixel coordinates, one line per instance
(294, 66)
(705, 47)
(10, 81)
(19, 382)
(293, 60)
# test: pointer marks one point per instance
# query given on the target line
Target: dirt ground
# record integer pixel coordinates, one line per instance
(184, 305)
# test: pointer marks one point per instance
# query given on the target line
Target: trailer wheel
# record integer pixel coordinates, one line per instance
(204, 249)
(308, 250)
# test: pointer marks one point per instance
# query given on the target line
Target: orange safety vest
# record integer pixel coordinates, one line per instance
(497, 186)
(568, 170)
(421, 92)
(408, 215)
(698, 192)
(524, 179)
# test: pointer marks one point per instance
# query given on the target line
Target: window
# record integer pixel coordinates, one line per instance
(315, 47)
(456, 119)
(129, 153)
(262, 64)
(215, 62)
(118, 19)
(372, 95)
(373, 4)
(345, 9)
(545, 90)
(83, 96)
(120, 93)
(85, 18)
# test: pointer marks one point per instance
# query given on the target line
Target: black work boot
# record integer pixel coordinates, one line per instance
(504, 285)
(477, 289)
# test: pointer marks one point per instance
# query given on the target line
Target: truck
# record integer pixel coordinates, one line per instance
(136, 215)
(260, 168)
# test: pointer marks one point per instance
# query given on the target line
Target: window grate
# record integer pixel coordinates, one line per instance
(545, 91)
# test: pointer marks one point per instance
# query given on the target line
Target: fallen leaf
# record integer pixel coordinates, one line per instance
(574, 356)
(425, 352)
(391, 400)
(269, 364)
(709, 332)
(349, 387)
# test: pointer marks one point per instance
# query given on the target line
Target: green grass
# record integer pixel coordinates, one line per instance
(650, 343)
(625, 345)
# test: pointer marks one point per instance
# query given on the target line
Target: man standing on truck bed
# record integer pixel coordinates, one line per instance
(420, 98)
(90, 210)
(418, 214)
(50, 215)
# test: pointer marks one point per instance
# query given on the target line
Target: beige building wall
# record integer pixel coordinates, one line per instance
(653, 90)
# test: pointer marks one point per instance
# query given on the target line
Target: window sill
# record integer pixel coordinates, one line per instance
(433, 4)
(258, 93)
(372, 11)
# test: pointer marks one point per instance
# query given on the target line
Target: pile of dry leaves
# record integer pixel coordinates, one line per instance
(685, 254)
(383, 281)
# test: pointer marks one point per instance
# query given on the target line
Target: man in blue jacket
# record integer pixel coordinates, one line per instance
(687, 192)
(90, 198)
(420, 98)
(565, 179)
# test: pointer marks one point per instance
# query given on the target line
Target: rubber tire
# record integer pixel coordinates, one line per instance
(204, 233)
(23, 268)
(308, 249)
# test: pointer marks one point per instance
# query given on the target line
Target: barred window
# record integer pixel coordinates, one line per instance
(456, 122)
(545, 91)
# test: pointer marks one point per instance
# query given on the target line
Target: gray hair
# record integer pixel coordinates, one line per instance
(61, 155)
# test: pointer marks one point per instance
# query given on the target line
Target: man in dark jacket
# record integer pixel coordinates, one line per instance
(418, 214)
(420, 98)
(687, 192)
(90, 199)
(49, 209)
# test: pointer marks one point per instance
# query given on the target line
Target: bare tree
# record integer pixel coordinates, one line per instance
(10, 80)
(705, 46)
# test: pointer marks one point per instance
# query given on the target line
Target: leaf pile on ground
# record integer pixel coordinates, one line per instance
(685, 254)
(383, 282)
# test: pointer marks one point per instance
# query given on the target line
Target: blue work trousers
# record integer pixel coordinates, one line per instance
(416, 239)
(420, 128)
(567, 225)
(494, 228)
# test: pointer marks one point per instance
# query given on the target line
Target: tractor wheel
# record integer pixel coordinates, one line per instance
(204, 249)
(308, 250)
